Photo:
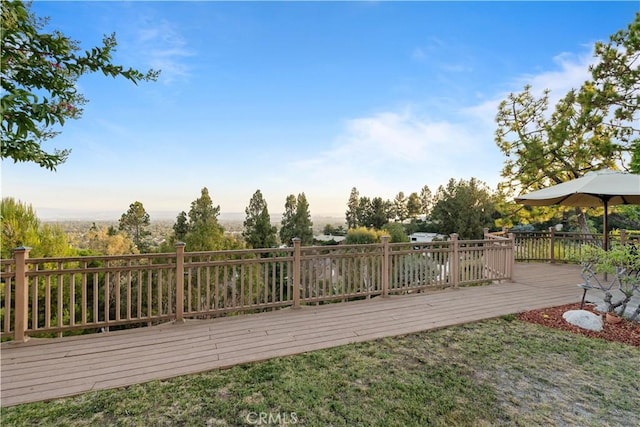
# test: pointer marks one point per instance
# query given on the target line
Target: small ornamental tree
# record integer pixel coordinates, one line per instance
(39, 73)
(623, 263)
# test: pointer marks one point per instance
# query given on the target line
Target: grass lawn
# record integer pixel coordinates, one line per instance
(501, 371)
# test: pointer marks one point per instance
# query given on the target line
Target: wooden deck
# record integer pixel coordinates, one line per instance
(44, 369)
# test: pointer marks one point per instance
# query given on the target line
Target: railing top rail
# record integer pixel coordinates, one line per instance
(100, 258)
(236, 252)
(492, 236)
(432, 243)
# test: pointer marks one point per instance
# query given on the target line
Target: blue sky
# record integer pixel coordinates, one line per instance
(290, 97)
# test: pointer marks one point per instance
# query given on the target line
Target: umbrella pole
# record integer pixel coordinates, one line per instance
(605, 228)
(605, 223)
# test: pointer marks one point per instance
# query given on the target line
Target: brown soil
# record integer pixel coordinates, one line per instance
(625, 332)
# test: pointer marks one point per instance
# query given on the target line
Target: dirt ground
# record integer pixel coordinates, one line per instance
(626, 331)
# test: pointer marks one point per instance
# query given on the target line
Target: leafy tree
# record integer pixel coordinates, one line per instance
(21, 227)
(400, 207)
(396, 231)
(414, 205)
(363, 236)
(134, 222)
(39, 73)
(588, 129)
(258, 231)
(352, 209)
(330, 230)
(102, 242)
(463, 207)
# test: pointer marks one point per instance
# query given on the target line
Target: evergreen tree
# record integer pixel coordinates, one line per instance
(400, 207)
(414, 205)
(287, 229)
(364, 212)
(352, 209)
(205, 233)
(426, 201)
(590, 128)
(134, 222)
(296, 220)
(181, 227)
(202, 210)
(464, 207)
(379, 213)
(258, 231)
(303, 224)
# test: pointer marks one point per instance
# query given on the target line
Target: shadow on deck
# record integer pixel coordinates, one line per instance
(43, 369)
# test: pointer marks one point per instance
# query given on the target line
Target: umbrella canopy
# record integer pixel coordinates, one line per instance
(598, 188)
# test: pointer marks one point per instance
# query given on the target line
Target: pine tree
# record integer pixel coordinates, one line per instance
(414, 206)
(352, 209)
(400, 207)
(181, 227)
(205, 233)
(287, 229)
(296, 220)
(426, 201)
(258, 231)
(134, 222)
(303, 224)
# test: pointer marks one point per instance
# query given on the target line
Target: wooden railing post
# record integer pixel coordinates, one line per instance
(180, 281)
(454, 264)
(21, 319)
(552, 257)
(296, 272)
(623, 237)
(511, 257)
(386, 273)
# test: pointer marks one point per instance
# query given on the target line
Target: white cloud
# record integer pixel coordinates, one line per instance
(385, 153)
(401, 150)
(165, 49)
(572, 71)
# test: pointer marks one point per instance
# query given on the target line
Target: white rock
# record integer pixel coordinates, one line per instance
(584, 319)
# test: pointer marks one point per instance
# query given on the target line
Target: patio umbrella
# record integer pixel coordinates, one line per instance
(598, 188)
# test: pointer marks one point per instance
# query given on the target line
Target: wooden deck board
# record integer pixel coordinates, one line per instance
(44, 369)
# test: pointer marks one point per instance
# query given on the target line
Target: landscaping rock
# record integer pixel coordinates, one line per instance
(584, 319)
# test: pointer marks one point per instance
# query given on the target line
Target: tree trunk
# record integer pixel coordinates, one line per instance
(582, 221)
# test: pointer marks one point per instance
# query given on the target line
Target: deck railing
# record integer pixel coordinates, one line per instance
(555, 246)
(55, 296)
